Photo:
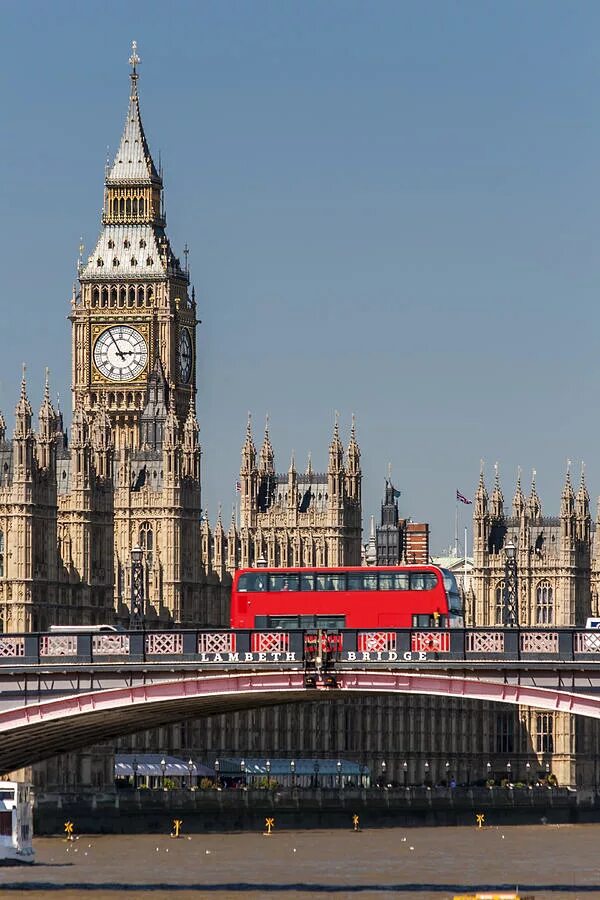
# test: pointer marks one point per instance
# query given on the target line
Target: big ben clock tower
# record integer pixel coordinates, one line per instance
(133, 312)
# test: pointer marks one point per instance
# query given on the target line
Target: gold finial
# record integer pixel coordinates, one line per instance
(134, 59)
(134, 62)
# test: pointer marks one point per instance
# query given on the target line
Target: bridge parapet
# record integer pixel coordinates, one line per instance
(300, 648)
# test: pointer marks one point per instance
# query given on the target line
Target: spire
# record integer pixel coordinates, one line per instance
(23, 411)
(336, 450)
(353, 450)
(47, 416)
(481, 495)
(567, 505)
(248, 450)
(582, 502)
(2, 428)
(292, 468)
(519, 498)
(534, 503)
(309, 466)
(133, 161)
(497, 498)
(267, 456)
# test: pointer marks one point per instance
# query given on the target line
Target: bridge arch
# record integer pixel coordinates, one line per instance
(37, 731)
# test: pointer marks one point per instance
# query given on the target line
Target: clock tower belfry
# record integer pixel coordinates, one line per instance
(134, 310)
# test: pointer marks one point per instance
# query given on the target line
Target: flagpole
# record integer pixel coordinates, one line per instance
(456, 530)
(465, 567)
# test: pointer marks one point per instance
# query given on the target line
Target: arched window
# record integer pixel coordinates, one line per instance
(1, 554)
(122, 206)
(115, 206)
(544, 733)
(141, 206)
(134, 206)
(128, 206)
(147, 541)
(499, 604)
(544, 604)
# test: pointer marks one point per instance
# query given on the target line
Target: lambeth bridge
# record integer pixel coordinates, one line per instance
(68, 691)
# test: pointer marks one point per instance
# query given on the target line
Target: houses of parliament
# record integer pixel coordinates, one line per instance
(75, 504)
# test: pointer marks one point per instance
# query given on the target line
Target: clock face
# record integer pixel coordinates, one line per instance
(185, 355)
(121, 353)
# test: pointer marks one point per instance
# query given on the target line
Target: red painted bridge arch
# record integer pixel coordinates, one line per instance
(37, 731)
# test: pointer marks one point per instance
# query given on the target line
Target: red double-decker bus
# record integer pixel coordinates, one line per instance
(382, 597)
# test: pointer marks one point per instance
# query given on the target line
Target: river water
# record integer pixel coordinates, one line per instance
(556, 861)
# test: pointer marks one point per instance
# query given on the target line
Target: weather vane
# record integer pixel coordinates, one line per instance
(134, 59)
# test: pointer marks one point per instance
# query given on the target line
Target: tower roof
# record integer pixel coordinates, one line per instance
(133, 161)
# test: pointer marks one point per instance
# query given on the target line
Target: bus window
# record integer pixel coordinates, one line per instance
(423, 581)
(250, 581)
(307, 582)
(330, 582)
(360, 582)
(393, 581)
(283, 582)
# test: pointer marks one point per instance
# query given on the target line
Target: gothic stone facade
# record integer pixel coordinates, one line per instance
(558, 566)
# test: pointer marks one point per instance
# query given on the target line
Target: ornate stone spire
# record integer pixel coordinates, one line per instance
(497, 498)
(79, 428)
(171, 433)
(133, 161)
(267, 456)
(567, 504)
(248, 450)
(353, 451)
(534, 503)
(23, 412)
(336, 450)
(582, 508)
(481, 496)
(47, 416)
(519, 498)
(2, 429)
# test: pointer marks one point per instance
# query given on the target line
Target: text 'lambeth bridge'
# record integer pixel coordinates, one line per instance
(71, 690)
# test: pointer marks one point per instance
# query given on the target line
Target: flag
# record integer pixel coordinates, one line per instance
(238, 487)
(462, 498)
(396, 493)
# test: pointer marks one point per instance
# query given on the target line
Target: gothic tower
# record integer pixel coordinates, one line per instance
(133, 306)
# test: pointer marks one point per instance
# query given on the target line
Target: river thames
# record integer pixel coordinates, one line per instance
(555, 861)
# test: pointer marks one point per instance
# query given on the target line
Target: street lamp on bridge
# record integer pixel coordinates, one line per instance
(405, 770)
(293, 771)
(511, 616)
(163, 769)
(191, 768)
(136, 618)
(217, 771)
(338, 766)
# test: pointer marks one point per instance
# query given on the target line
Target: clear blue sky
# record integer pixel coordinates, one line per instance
(393, 209)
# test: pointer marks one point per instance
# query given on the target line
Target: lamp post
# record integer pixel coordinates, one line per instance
(405, 770)
(293, 771)
(447, 767)
(316, 768)
(268, 768)
(136, 618)
(163, 769)
(134, 766)
(383, 771)
(191, 768)
(426, 777)
(508, 771)
(488, 770)
(511, 616)
(243, 771)
(338, 766)
(217, 770)
(528, 773)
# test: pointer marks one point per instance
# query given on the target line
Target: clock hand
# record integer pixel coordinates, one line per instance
(119, 352)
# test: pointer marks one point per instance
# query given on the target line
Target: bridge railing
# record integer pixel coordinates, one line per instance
(297, 648)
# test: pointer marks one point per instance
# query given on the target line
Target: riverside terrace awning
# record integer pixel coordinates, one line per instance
(303, 767)
(149, 764)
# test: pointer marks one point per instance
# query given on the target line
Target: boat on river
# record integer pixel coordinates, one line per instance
(16, 823)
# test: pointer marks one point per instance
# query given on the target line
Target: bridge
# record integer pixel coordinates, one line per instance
(71, 690)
